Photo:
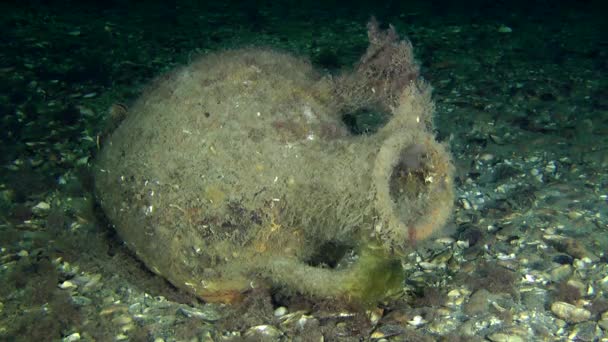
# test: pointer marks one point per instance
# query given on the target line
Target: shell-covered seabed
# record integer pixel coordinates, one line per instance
(519, 98)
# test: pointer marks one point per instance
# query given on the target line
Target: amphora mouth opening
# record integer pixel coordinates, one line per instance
(413, 176)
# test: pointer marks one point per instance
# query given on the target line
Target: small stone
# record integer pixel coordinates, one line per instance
(560, 273)
(121, 337)
(387, 330)
(441, 259)
(467, 329)
(263, 333)
(425, 265)
(571, 246)
(80, 280)
(417, 321)
(486, 157)
(504, 337)
(86, 111)
(535, 298)
(504, 29)
(375, 315)
(466, 204)
(93, 283)
(587, 331)
(446, 240)
(280, 311)
(454, 293)
(498, 140)
(41, 207)
(581, 264)
(67, 285)
(603, 323)
(306, 321)
(81, 300)
(563, 259)
(122, 320)
(292, 318)
(551, 167)
(464, 244)
(127, 327)
(207, 313)
(72, 337)
(570, 313)
(478, 303)
(456, 29)
(113, 309)
(575, 284)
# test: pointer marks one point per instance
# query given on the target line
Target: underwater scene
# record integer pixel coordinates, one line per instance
(303, 171)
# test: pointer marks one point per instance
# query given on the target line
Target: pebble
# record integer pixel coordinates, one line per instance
(504, 337)
(563, 259)
(263, 333)
(280, 311)
(560, 273)
(497, 139)
(72, 337)
(445, 240)
(429, 265)
(375, 315)
(113, 309)
(67, 285)
(486, 157)
(570, 313)
(534, 298)
(93, 282)
(570, 246)
(504, 29)
(587, 331)
(86, 111)
(121, 337)
(466, 204)
(603, 323)
(580, 286)
(81, 300)
(122, 320)
(80, 280)
(478, 303)
(417, 321)
(207, 313)
(387, 330)
(41, 207)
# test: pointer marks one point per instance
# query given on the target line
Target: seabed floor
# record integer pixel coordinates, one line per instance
(522, 100)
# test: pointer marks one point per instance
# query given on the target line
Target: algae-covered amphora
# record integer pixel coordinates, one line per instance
(238, 171)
